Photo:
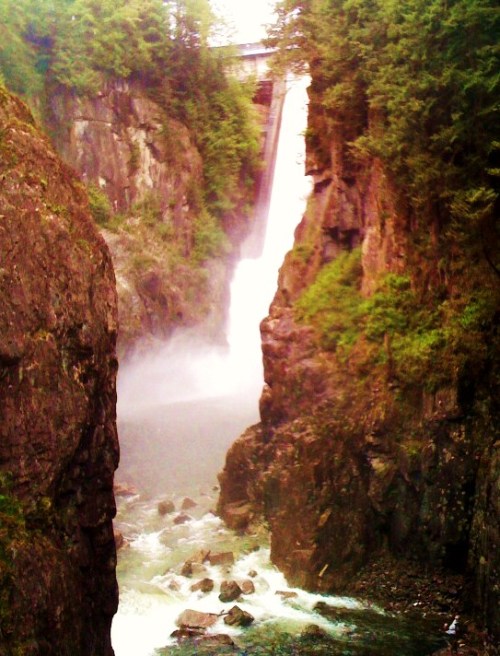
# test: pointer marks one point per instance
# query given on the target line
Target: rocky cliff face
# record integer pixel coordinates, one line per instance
(122, 140)
(58, 442)
(352, 462)
(125, 147)
(173, 260)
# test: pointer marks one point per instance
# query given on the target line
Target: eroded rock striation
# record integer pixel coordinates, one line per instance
(58, 441)
(173, 261)
(129, 151)
(358, 453)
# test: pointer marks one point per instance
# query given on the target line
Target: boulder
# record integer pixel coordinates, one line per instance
(194, 619)
(205, 585)
(229, 591)
(201, 556)
(217, 640)
(223, 558)
(119, 539)
(247, 587)
(204, 642)
(165, 507)
(187, 569)
(238, 515)
(125, 490)
(286, 594)
(182, 519)
(238, 617)
(313, 631)
(188, 503)
(193, 568)
(185, 635)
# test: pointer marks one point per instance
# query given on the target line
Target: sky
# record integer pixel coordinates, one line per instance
(247, 17)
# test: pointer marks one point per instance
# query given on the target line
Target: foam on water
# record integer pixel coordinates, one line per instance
(154, 593)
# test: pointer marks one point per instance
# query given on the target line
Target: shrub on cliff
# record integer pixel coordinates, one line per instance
(410, 333)
(80, 44)
(414, 83)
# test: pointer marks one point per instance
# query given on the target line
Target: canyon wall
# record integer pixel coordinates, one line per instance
(173, 260)
(58, 441)
(365, 449)
(130, 152)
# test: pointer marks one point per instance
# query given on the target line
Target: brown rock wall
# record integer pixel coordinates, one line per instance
(58, 441)
(123, 141)
(347, 466)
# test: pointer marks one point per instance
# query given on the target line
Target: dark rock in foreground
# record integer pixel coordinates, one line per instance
(58, 440)
(229, 591)
(205, 585)
(188, 503)
(166, 507)
(238, 617)
(224, 558)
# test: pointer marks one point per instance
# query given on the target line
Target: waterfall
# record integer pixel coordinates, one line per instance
(179, 410)
(255, 279)
(188, 394)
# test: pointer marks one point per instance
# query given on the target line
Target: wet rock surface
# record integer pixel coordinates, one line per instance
(222, 558)
(238, 617)
(58, 440)
(166, 507)
(193, 619)
(229, 591)
(205, 586)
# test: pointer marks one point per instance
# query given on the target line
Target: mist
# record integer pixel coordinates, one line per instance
(182, 404)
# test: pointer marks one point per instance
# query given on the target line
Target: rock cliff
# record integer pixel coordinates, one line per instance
(364, 451)
(58, 441)
(172, 260)
(144, 163)
(123, 141)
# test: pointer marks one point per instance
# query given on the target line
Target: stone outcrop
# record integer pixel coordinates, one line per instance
(124, 144)
(238, 617)
(229, 591)
(347, 464)
(122, 140)
(58, 441)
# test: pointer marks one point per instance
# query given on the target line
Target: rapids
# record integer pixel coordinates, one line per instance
(179, 409)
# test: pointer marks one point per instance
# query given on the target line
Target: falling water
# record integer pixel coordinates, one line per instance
(183, 404)
(179, 410)
(188, 395)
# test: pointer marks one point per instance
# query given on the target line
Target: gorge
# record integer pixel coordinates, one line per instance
(368, 471)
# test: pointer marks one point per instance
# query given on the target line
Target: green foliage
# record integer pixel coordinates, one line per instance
(99, 205)
(18, 57)
(81, 43)
(149, 210)
(209, 239)
(415, 83)
(410, 334)
(333, 302)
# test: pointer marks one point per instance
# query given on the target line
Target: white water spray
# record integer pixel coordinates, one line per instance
(187, 368)
(182, 405)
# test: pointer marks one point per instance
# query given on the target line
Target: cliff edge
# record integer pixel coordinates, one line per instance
(58, 441)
